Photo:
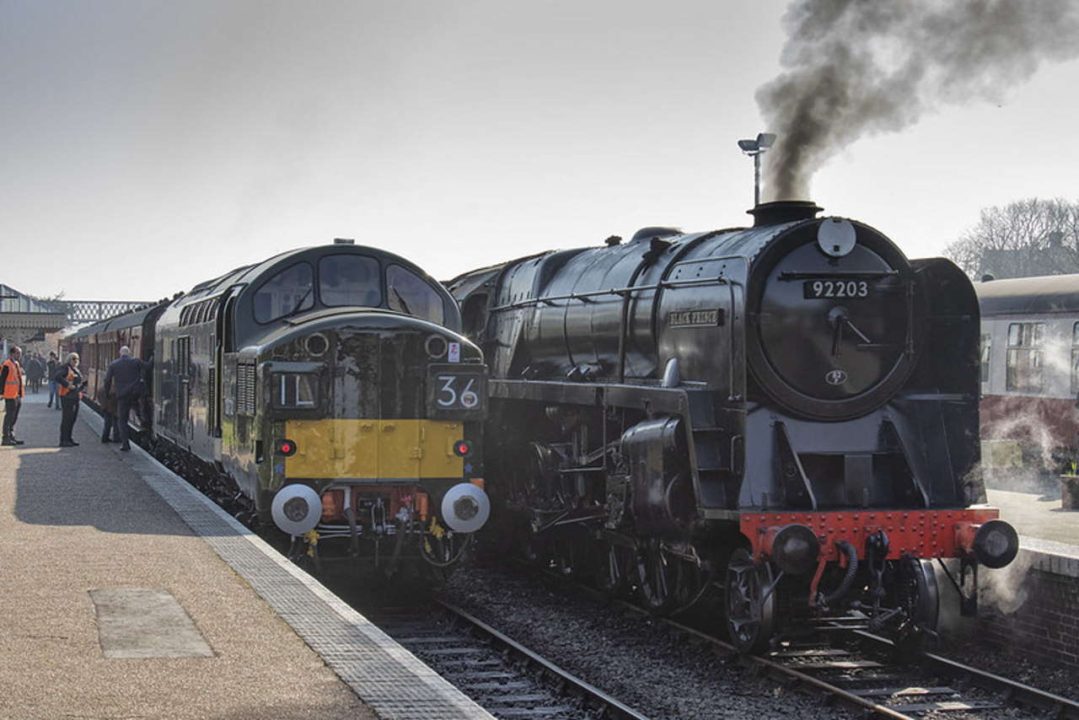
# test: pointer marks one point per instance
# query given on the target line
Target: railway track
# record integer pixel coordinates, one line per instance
(860, 669)
(511, 681)
(500, 674)
(863, 671)
(503, 676)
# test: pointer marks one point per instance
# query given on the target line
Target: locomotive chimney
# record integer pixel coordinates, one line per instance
(783, 211)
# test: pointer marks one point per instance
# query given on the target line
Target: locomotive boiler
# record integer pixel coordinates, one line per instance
(788, 411)
(326, 392)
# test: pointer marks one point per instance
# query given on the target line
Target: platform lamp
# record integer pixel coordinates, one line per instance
(754, 149)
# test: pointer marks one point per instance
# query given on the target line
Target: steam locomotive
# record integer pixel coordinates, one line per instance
(788, 411)
(326, 390)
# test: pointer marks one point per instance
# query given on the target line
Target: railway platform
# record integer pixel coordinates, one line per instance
(1048, 534)
(127, 594)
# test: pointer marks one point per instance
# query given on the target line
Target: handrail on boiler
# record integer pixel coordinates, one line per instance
(622, 292)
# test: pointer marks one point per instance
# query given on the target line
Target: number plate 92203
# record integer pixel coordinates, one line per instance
(835, 288)
(457, 391)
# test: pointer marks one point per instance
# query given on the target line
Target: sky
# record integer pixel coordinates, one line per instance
(146, 146)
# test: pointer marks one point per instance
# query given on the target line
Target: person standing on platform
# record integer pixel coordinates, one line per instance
(124, 380)
(111, 431)
(50, 370)
(70, 383)
(34, 369)
(14, 387)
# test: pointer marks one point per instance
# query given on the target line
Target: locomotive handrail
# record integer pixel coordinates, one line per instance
(867, 274)
(621, 292)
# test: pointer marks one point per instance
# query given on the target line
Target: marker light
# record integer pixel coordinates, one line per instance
(462, 448)
(285, 447)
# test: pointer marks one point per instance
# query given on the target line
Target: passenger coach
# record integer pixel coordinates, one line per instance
(1030, 372)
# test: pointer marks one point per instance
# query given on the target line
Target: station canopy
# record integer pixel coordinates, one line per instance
(20, 313)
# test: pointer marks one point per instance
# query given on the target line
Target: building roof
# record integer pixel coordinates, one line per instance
(19, 311)
(1029, 296)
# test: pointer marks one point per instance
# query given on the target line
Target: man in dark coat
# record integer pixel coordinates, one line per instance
(124, 381)
(35, 370)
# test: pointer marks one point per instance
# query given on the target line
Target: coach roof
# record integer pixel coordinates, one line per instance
(1029, 296)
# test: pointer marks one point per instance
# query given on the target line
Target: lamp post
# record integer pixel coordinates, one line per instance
(754, 149)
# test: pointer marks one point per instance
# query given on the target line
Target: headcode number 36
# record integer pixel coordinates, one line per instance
(457, 391)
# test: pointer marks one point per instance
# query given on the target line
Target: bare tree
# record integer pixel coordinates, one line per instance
(1022, 239)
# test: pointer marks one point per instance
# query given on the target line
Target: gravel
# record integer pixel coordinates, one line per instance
(630, 656)
(983, 655)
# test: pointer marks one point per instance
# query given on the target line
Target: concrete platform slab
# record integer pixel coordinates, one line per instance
(80, 520)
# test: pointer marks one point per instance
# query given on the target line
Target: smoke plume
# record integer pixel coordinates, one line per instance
(859, 67)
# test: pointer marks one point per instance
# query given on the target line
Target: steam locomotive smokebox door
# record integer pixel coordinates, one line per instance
(659, 481)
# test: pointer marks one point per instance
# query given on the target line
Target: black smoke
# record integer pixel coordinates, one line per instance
(861, 67)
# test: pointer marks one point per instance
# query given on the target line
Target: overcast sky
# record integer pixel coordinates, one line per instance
(146, 146)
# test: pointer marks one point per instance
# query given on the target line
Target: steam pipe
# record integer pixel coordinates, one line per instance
(848, 579)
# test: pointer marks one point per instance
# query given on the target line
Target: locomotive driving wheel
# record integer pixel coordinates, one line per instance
(750, 602)
(611, 568)
(657, 577)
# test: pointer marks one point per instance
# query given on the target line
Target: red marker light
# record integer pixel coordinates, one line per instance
(462, 448)
(285, 447)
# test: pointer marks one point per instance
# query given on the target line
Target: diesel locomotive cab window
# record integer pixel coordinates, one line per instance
(287, 292)
(349, 280)
(295, 390)
(1024, 366)
(409, 293)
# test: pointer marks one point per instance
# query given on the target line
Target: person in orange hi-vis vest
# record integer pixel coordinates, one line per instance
(14, 387)
(70, 385)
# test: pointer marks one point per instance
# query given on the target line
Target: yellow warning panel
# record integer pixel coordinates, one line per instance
(389, 449)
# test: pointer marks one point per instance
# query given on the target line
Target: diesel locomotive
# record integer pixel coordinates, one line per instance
(327, 391)
(788, 412)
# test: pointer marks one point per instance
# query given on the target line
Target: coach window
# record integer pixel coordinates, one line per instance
(1075, 358)
(349, 280)
(287, 292)
(408, 293)
(295, 390)
(987, 344)
(1024, 366)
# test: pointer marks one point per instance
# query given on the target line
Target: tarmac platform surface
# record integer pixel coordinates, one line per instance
(126, 594)
(1037, 515)
(1048, 534)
